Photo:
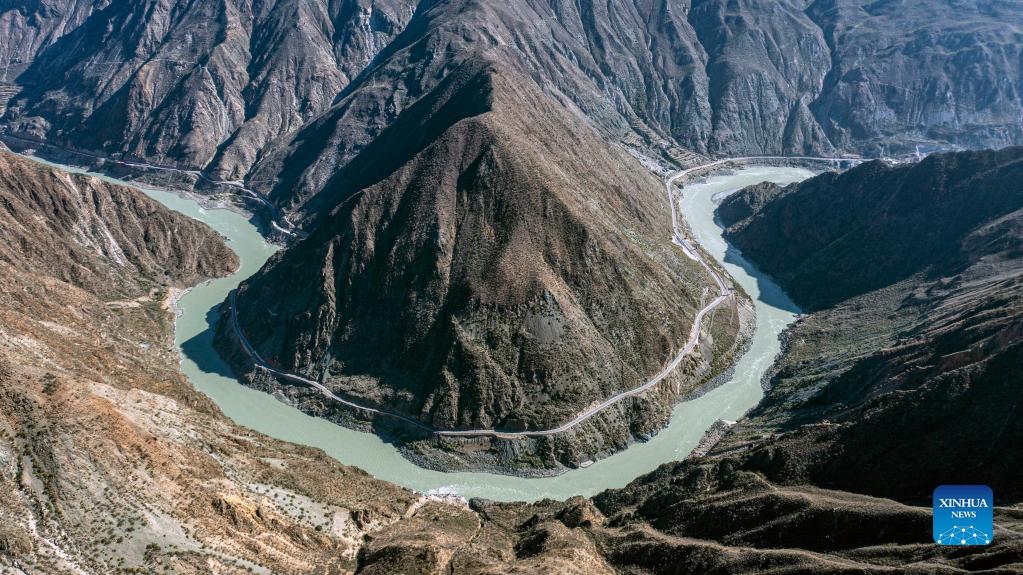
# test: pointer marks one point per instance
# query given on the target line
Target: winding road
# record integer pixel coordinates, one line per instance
(678, 238)
(198, 174)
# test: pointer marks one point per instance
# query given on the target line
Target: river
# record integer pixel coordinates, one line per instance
(260, 411)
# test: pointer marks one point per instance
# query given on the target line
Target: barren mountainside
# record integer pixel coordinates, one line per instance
(112, 463)
(499, 269)
(200, 84)
(922, 339)
(876, 399)
(841, 235)
(94, 235)
(282, 93)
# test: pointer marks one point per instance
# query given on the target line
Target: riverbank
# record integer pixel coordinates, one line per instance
(689, 421)
(685, 429)
(208, 193)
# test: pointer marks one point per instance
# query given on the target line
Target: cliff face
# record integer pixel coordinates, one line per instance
(31, 26)
(735, 78)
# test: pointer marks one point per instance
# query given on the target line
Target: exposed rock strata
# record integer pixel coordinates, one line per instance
(285, 92)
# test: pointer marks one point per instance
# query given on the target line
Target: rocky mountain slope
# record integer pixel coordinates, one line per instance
(31, 26)
(920, 72)
(268, 90)
(501, 269)
(922, 342)
(197, 84)
(73, 227)
(843, 235)
(111, 463)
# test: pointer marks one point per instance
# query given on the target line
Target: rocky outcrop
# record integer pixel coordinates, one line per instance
(29, 27)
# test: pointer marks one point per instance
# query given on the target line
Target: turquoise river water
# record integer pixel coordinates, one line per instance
(260, 411)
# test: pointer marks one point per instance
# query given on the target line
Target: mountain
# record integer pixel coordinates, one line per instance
(283, 93)
(31, 26)
(824, 247)
(111, 462)
(923, 264)
(72, 227)
(635, 71)
(905, 73)
(196, 84)
(487, 263)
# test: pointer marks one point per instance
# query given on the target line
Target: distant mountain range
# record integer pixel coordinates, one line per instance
(290, 90)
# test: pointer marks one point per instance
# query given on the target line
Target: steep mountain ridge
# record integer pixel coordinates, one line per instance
(823, 246)
(75, 225)
(922, 337)
(284, 93)
(31, 26)
(109, 460)
(906, 73)
(498, 271)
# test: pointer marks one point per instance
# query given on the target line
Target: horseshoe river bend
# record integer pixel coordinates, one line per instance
(262, 412)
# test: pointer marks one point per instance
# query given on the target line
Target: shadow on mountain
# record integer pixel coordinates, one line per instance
(770, 292)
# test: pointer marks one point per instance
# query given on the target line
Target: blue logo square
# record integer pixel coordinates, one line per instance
(963, 515)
